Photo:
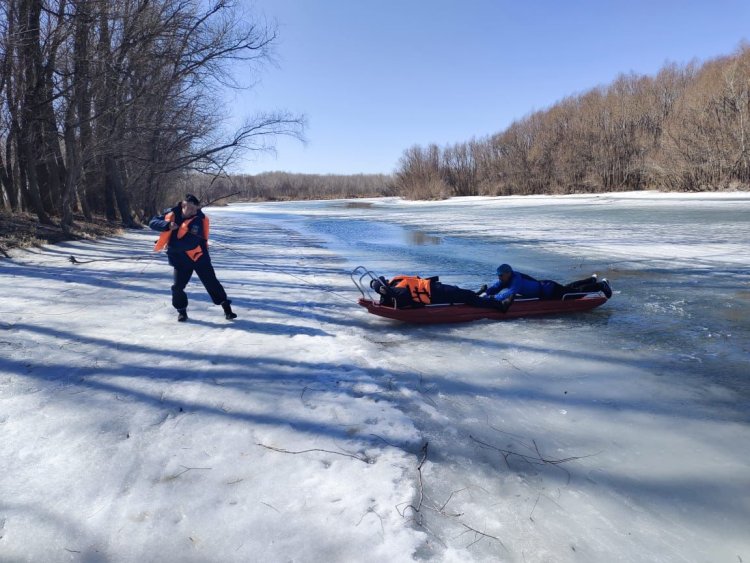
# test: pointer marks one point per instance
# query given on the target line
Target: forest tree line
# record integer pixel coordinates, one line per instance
(685, 129)
(107, 105)
(285, 186)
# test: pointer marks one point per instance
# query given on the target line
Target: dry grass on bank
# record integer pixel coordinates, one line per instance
(23, 230)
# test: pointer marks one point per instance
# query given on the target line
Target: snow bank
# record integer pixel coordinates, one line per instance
(128, 437)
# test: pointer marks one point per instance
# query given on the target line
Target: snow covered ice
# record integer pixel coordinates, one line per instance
(615, 435)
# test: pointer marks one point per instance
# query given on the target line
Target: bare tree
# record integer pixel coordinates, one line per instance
(107, 104)
(687, 128)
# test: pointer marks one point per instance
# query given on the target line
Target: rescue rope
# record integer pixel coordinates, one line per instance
(151, 255)
(211, 202)
(295, 276)
(73, 260)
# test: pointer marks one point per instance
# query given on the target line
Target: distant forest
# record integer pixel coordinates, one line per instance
(107, 105)
(685, 129)
(285, 186)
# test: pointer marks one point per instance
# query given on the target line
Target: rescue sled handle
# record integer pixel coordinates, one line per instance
(358, 276)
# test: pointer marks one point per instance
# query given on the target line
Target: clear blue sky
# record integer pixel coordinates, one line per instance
(374, 78)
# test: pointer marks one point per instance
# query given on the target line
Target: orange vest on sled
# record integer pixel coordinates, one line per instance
(419, 288)
(163, 241)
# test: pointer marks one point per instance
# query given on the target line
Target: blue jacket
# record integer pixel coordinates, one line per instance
(519, 284)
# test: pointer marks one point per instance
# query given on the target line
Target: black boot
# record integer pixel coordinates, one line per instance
(583, 286)
(182, 315)
(228, 313)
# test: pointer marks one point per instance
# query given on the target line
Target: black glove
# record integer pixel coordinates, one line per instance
(379, 286)
(481, 290)
(506, 303)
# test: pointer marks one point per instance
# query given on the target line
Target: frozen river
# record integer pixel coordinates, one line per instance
(680, 266)
(308, 430)
(655, 385)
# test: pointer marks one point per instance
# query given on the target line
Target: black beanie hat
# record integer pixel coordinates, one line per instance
(190, 198)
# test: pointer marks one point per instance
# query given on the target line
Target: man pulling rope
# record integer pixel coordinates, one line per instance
(184, 233)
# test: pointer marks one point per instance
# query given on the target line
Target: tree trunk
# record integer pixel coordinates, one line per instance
(20, 180)
(31, 192)
(27, 138)
(9, 177)
(43, 180)
(82, 93)
(115, 186)
(109, 194)
(51, 156)
(72, 166)
(7, 187)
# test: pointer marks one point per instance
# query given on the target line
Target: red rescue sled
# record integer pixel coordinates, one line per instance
(458, 313)
(435, 314)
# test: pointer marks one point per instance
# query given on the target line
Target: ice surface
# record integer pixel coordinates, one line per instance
(128, 437)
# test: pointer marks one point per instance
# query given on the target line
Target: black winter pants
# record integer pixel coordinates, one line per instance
(443, 293)
(205, 271)
(579, 286)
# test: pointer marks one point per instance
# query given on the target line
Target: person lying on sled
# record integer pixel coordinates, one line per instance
(413, 291)
(511, 283)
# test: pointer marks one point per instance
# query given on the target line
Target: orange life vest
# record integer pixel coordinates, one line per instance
(419, 288)
(163, 241)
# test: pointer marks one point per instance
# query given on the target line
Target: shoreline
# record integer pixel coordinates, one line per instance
(20, 231)
(631, 195)
(23, 230)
